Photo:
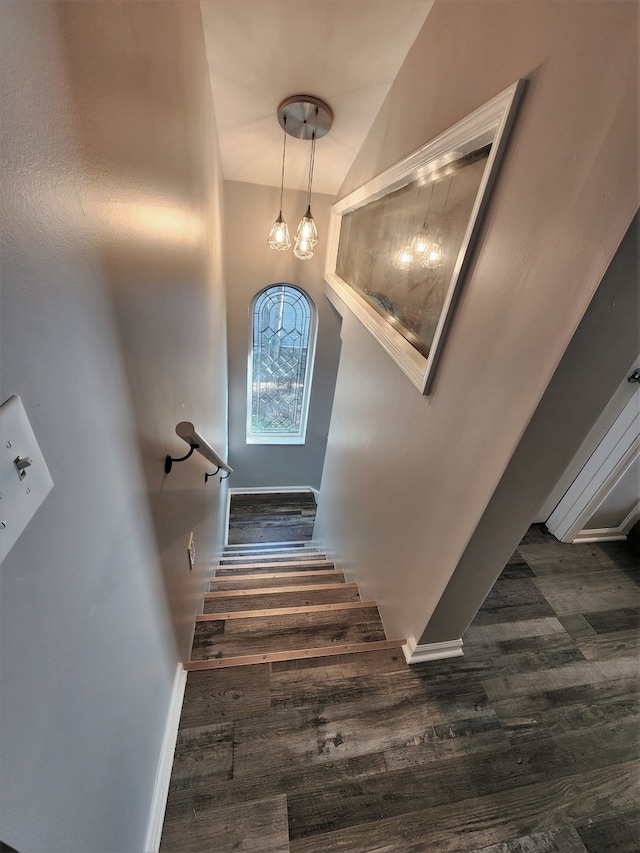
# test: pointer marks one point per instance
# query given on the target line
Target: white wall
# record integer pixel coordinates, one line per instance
(112, 331)
(250, 266)
(407, 479)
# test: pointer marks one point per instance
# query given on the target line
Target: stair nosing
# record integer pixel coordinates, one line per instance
(295, 543)
(277, 556)
(257, 564)
(284, 611)
(269, 546)
(272, 590)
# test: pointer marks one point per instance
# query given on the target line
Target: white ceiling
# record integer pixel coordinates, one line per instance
(346, 52)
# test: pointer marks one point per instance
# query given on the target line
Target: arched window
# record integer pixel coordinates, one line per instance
(280, 365)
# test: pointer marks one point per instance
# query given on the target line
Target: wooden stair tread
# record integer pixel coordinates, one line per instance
(297, 554)
(283, 543)
(287, 596)
(338, 618)
(254, 635)
(231, 593)
(268, 548)
(280, 600)
(285, 611)
(307, 576)
(279, 557)
(293, 654)
(285, 565)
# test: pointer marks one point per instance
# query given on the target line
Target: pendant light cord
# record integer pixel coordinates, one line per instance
(312, 158)
(444, 209)
(284, 148)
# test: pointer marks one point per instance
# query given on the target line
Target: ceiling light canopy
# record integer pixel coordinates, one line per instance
(309, 118)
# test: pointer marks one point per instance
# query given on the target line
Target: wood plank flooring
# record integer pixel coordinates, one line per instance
(528, 744)
(264, 518)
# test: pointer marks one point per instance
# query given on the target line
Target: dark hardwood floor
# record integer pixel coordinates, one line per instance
(268, 518)
(527, 744)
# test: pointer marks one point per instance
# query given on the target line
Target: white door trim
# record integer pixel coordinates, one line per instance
(617, 451)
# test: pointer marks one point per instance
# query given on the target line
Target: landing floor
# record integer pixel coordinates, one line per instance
(528, 743)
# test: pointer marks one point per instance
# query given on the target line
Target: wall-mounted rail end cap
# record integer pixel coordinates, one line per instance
(187, 432)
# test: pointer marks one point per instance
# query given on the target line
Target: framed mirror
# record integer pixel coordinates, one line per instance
(399, 245)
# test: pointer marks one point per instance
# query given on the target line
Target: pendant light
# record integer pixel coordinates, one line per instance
(433, 256)
(403, 259)
(309, 118)
(422, 242)
(307, 233)
(279, 235)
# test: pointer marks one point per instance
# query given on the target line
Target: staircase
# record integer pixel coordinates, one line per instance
(280, 601)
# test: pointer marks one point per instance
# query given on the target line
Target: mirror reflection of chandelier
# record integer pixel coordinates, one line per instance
(310, 118)
(433, 255)
(422, 250)
(404, 258)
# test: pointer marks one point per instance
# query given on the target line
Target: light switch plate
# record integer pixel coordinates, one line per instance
(24, 477)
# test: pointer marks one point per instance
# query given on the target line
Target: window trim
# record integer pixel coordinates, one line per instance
(289, 438)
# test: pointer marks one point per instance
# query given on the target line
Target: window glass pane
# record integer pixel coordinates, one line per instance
(282, 320)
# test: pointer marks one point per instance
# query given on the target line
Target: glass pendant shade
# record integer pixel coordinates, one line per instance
(307, 229)
(279, 235)
(403, 259)
(420, 244)
(303, 249)
(433, 257)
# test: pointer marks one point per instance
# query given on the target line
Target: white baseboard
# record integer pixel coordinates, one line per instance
(165, 763)
(269, 490)
(225, 541)
(431, 651)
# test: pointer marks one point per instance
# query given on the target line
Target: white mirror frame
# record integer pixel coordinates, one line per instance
(490, 123)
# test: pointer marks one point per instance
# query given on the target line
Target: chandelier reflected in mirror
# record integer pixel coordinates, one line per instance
(309, 118)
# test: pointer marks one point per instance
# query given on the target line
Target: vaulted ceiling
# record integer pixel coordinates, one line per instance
(346, 52)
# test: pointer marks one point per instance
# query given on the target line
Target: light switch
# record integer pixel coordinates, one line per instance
(24, 477)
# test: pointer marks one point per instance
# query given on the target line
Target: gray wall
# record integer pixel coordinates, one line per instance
(407, 479)
(606, 339)
(112, 331)
(250, 265)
